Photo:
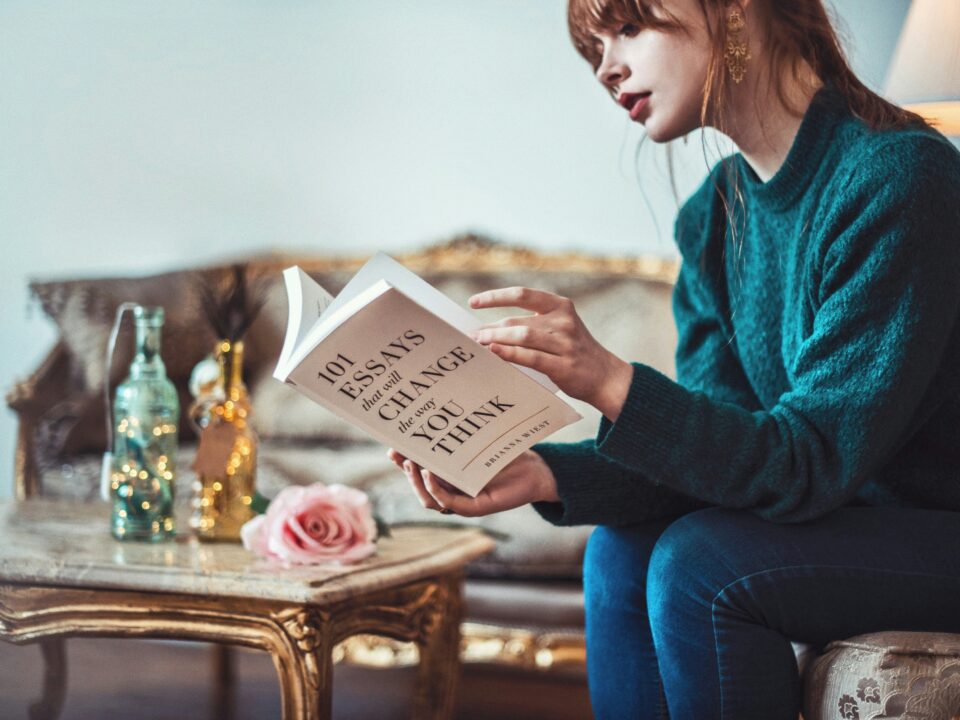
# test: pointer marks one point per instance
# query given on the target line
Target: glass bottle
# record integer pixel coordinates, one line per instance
(226, 461)
(146, 414)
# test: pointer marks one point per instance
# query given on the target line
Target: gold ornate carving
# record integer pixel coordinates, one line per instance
(480, 644)
(475, 253)
(299, 638)
(409, 613)
(494, 644)
(308, 629)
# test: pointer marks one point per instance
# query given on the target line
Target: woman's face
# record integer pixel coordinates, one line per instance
(658, 75)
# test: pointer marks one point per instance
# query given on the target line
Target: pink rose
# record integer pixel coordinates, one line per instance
(313, 524)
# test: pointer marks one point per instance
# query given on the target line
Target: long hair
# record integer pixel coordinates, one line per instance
(796, 32)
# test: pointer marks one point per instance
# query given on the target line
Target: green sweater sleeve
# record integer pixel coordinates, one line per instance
(869, 373)
(595, 490)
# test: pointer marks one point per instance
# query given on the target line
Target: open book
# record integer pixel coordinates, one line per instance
(391, 355)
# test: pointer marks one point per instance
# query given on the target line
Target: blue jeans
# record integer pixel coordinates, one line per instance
(695, 615)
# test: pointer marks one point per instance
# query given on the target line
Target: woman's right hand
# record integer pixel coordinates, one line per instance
(527, 479)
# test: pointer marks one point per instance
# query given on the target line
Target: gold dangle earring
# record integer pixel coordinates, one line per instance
(737, 52)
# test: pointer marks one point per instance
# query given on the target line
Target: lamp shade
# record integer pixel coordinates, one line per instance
(924, 74)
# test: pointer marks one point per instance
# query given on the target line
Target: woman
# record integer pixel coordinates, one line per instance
(799, 481)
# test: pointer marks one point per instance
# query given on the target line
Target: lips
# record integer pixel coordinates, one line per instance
(634, 103)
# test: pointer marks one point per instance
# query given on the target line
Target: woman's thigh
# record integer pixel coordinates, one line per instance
(855, 570)
(728, 591)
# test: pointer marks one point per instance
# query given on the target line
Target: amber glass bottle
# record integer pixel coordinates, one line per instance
(226, 462)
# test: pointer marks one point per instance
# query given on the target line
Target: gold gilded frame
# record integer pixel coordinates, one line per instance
(301, 639)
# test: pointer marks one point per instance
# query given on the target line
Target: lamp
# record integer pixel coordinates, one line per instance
(924, 75)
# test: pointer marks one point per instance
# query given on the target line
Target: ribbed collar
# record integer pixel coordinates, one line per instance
(827, 107)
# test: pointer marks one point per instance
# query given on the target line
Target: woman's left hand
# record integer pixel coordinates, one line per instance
(555, 341)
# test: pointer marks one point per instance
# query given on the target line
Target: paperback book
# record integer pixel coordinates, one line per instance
(392, 355)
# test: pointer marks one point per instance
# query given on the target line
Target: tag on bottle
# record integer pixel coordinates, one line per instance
(213, 453)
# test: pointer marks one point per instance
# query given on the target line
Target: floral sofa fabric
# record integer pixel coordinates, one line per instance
(885, 675)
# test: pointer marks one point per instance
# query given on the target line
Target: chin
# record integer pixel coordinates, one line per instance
(659, 132)
(663, 130)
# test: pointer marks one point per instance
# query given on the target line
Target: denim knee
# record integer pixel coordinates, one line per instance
(688, 563)
(615, 566)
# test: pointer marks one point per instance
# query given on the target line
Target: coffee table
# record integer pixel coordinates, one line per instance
(63, 575)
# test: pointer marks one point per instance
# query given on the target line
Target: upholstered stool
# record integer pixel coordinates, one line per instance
(908, 675)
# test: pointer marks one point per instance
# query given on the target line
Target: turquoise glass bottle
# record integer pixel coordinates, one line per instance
(146, 414)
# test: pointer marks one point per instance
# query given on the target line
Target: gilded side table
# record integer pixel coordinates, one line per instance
(63, 575)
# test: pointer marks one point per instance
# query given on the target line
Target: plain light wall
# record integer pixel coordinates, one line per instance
(140, 136)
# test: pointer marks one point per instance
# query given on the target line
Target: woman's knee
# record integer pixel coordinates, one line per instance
(615, 565)
(692, 559)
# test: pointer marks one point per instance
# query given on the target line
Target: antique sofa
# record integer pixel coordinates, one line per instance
(524, 602)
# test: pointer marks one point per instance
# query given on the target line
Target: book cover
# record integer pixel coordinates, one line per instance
(411, 379)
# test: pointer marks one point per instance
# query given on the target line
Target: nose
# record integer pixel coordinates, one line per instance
(612, 71)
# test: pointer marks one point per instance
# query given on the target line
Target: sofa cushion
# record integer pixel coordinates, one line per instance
(534, 605)
(885, 675)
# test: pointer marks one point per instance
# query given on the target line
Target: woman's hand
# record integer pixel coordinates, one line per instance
(555, 341)
(527, 479)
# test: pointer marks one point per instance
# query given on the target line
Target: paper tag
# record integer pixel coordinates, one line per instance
(216, 443)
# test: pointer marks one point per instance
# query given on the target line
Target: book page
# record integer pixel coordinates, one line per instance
(306, 302)
(333, 318)
(417, 384)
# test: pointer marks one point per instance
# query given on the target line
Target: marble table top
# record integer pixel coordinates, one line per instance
(54, 542)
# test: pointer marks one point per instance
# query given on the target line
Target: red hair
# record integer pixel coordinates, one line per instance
(796, 32)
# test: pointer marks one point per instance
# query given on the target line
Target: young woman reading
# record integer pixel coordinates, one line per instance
(800, 481)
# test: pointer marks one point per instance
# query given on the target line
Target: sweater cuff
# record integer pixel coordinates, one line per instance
(572, 466)
(649, 426)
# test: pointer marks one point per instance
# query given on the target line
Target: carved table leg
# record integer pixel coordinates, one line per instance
(306, 668)
(439, 672)
(50, 704)
(223, 681)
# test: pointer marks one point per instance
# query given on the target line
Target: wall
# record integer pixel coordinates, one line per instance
(143, 136)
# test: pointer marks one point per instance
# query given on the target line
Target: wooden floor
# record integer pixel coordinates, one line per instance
(156, 680)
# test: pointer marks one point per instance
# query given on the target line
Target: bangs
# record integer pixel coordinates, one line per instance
(587, 18)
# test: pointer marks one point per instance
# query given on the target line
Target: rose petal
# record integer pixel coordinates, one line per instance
(251, 535)
(316, 524)
(306, 542)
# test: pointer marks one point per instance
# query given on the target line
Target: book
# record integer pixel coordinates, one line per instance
(392, 355)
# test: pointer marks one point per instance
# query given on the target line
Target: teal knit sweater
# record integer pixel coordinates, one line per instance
(818, 363)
